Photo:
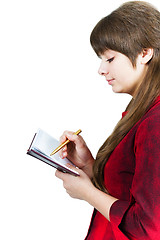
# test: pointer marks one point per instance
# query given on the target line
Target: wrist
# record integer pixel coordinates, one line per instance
(88, 168)
(100, 201)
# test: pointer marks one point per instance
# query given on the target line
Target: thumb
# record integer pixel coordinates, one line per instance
(81, 172)
(72, 167)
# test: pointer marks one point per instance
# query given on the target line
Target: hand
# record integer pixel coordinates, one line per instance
(77, 187)
(81, 187)
(77, 152)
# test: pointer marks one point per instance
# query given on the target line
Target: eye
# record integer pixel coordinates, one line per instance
(110, 59)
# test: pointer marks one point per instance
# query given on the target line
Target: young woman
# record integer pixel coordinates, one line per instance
(123, 182)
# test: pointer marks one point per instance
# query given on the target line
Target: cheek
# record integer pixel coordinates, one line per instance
(121, 74)
(125, 74)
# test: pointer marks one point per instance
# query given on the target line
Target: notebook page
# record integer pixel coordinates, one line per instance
(45, 144)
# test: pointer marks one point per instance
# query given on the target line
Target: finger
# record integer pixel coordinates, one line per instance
(73, 168)
(60, 174)
(63, 138)
(65, 135)
(63, 152)
(63, 176)
(69, 135)
(76, 139)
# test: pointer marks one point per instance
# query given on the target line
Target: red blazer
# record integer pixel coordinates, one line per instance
(132, 174)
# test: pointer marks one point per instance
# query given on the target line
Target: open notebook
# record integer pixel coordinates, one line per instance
(41, 147)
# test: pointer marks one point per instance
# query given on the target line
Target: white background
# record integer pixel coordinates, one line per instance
(49, 80)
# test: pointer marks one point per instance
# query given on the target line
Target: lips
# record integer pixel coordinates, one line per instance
(110, 81)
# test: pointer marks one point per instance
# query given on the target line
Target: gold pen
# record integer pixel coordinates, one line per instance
(63, 144)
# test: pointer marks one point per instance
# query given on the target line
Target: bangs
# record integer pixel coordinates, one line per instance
(114, 33)
(105, 36)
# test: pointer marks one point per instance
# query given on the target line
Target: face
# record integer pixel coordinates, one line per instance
(120, 73)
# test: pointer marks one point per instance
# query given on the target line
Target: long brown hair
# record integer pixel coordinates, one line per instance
(130, 29)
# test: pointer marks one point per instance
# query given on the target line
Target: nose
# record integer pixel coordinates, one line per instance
(103, 69)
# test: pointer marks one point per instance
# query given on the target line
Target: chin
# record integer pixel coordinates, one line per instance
(117, 91)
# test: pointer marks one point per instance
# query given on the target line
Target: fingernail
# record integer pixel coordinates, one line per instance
(68, 165)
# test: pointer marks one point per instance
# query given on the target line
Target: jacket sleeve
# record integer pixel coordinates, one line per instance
(140, 217)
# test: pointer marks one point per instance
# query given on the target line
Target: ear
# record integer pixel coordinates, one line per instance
(146, 55)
